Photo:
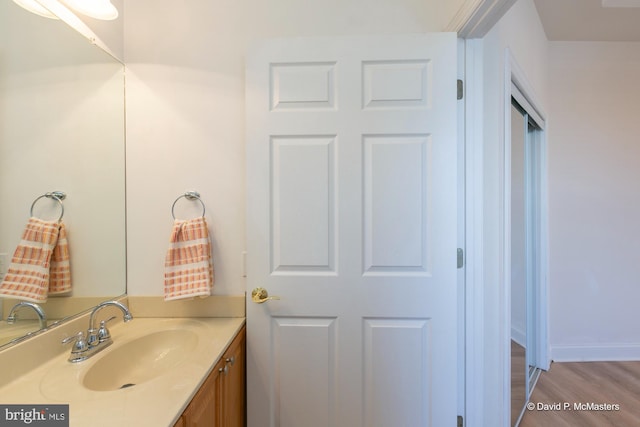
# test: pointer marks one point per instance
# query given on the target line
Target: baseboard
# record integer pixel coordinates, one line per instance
(519, 336)
(595, 353)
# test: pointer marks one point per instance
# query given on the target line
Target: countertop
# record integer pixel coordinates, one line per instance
(156, 402)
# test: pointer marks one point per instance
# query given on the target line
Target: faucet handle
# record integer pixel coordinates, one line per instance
(103, 332)
(80, 343)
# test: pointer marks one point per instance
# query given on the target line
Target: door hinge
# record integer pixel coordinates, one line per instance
(460, 421)
(460, 89)
(460, 258)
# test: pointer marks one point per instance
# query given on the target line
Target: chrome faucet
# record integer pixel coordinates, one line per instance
(97, 339)
(13, 314)
(93, 331)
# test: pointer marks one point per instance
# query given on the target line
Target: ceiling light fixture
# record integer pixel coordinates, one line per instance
(98, 9)
(34, 7)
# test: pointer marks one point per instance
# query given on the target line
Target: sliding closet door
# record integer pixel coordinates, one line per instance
(518, 265)
(525, 249)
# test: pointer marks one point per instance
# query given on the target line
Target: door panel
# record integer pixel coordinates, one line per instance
(316, 401)
(351, 221)
(388, 370)
(302, 86)
(303, 206)
(396, 84)
(395, 203)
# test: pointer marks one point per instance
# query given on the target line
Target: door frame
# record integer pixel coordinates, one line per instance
(473, 21)
(473, 176)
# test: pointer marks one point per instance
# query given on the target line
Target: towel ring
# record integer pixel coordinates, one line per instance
(189, 195)
(58, 196)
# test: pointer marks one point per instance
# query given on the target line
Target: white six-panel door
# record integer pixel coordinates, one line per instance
(351, 221)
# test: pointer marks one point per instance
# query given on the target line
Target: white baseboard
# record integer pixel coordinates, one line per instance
(595, 353)
(519, 336)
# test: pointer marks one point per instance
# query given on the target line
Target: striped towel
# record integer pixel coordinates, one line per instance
(60, 269)
(188, 265)
(40, 260)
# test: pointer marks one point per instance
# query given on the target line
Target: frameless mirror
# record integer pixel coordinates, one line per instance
(61, 129)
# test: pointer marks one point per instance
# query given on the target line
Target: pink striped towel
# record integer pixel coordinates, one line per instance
(188, 267)
(60, 269)
(40, 263)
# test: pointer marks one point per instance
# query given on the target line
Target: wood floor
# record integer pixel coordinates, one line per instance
(518, 380)
(572, 387)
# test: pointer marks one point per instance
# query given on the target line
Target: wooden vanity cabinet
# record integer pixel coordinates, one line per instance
(220, 402)
(233, 384)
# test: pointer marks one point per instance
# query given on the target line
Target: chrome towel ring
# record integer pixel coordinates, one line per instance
(58, 196)
(189, 195)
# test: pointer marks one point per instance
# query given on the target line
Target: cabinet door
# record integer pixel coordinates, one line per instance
(232, 392)
(203, 411)
(220, 402)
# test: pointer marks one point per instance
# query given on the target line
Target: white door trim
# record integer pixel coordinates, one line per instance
(476, 17)
(472, 22)
(474, 239)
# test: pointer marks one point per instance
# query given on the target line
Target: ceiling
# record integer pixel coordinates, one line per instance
(588, 20)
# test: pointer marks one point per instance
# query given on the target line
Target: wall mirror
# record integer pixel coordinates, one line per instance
(61, 129)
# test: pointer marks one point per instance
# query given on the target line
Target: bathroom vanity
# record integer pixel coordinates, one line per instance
(159, 371)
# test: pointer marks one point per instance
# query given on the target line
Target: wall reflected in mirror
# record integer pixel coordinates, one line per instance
(62, 128)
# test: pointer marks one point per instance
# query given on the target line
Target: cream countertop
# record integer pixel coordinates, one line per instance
(154, 403)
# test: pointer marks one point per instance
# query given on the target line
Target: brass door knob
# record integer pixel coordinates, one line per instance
(260, 295)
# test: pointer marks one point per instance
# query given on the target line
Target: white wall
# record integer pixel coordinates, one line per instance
(519, 30)
(594, 201)
(185, 109)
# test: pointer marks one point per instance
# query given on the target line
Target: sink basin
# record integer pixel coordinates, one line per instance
(140, 360)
